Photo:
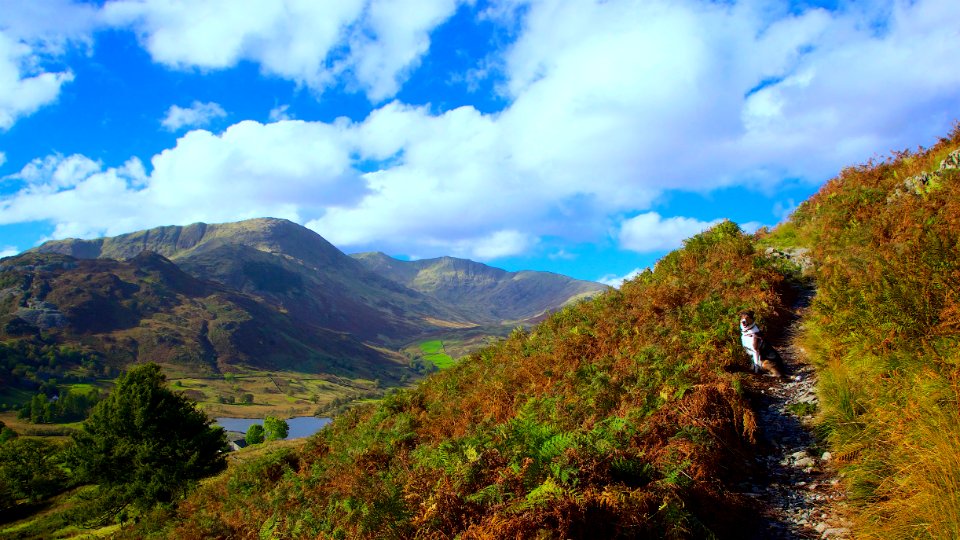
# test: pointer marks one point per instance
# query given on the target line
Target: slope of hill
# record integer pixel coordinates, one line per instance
(147, 309)
(884, 330)
(288, 266)
(620, 416)
(487, 295)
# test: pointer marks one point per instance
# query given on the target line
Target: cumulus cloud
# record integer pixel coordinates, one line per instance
(25, 87)
(196, 115)
(8, 251)
(292, 170)
(650, 232)
(300, 40)
(55, 173)
(33, 37)
(391, 39)
(609, 105)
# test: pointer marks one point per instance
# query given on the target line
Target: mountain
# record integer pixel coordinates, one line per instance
(487, 295)
(146, 308)
(290, 267)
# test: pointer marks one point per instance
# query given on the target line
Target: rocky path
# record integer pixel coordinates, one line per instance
(797, 491)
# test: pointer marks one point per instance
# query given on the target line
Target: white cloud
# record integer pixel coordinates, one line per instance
(617, 281)
(279, 113)
(8, 251)
(55, 172)
(3, 158)
(293, 170)
(25, 87)
(500, 244)
(197, 115)
(390, 40)
(300, 40)
(650, 232)
(33, 36)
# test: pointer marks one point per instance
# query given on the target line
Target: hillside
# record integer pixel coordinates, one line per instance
(487, 295)
(620, 416)
(884, 331)
(146, 309)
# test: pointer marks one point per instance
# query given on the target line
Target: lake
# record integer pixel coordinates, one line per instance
(300, 426)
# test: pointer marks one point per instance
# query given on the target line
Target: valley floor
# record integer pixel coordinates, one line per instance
(795, 486)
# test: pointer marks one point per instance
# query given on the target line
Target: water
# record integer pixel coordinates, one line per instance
(300, 426)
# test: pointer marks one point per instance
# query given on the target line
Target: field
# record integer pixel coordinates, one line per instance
(257, 394)
(434, 352)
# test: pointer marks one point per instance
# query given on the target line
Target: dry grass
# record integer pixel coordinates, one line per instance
(884, 330)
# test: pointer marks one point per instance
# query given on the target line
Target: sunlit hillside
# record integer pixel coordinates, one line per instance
(620, 416)
(884, 331)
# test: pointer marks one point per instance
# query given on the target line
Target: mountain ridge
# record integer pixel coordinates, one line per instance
(485, 292)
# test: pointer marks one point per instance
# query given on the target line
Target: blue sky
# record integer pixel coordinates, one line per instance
(581, 137)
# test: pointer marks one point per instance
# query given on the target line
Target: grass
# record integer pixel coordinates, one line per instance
(53, 521)
(275, 393)
(802, 409)
(883, 332)
(434, 352)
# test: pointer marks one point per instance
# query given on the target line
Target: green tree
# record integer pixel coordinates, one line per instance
(255, 434)
(145, 444)
(6, 433)
(30, 470)
(275, 428)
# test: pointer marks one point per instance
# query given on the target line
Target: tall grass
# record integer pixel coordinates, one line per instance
(884, 330)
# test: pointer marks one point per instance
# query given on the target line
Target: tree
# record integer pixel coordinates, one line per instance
(29, 470)
(145, 444)
(275, 428)
(255, 434)
(6, 433)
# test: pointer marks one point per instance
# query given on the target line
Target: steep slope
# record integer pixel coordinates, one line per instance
(616, 417)
(883, 332)
(488, 295)
(147, 309)
(290, 267)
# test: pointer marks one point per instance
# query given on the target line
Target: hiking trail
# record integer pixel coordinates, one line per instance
(796, 488)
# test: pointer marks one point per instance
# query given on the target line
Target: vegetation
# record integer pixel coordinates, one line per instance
(275, 428)
(31, 470)
(884, 330)
(254, 434)
(144, 444)
(31, 365)
(252, 394)
(70, 405)
(619, 416)
(434, 353)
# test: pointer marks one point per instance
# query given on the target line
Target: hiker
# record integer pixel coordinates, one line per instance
(761, 353)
